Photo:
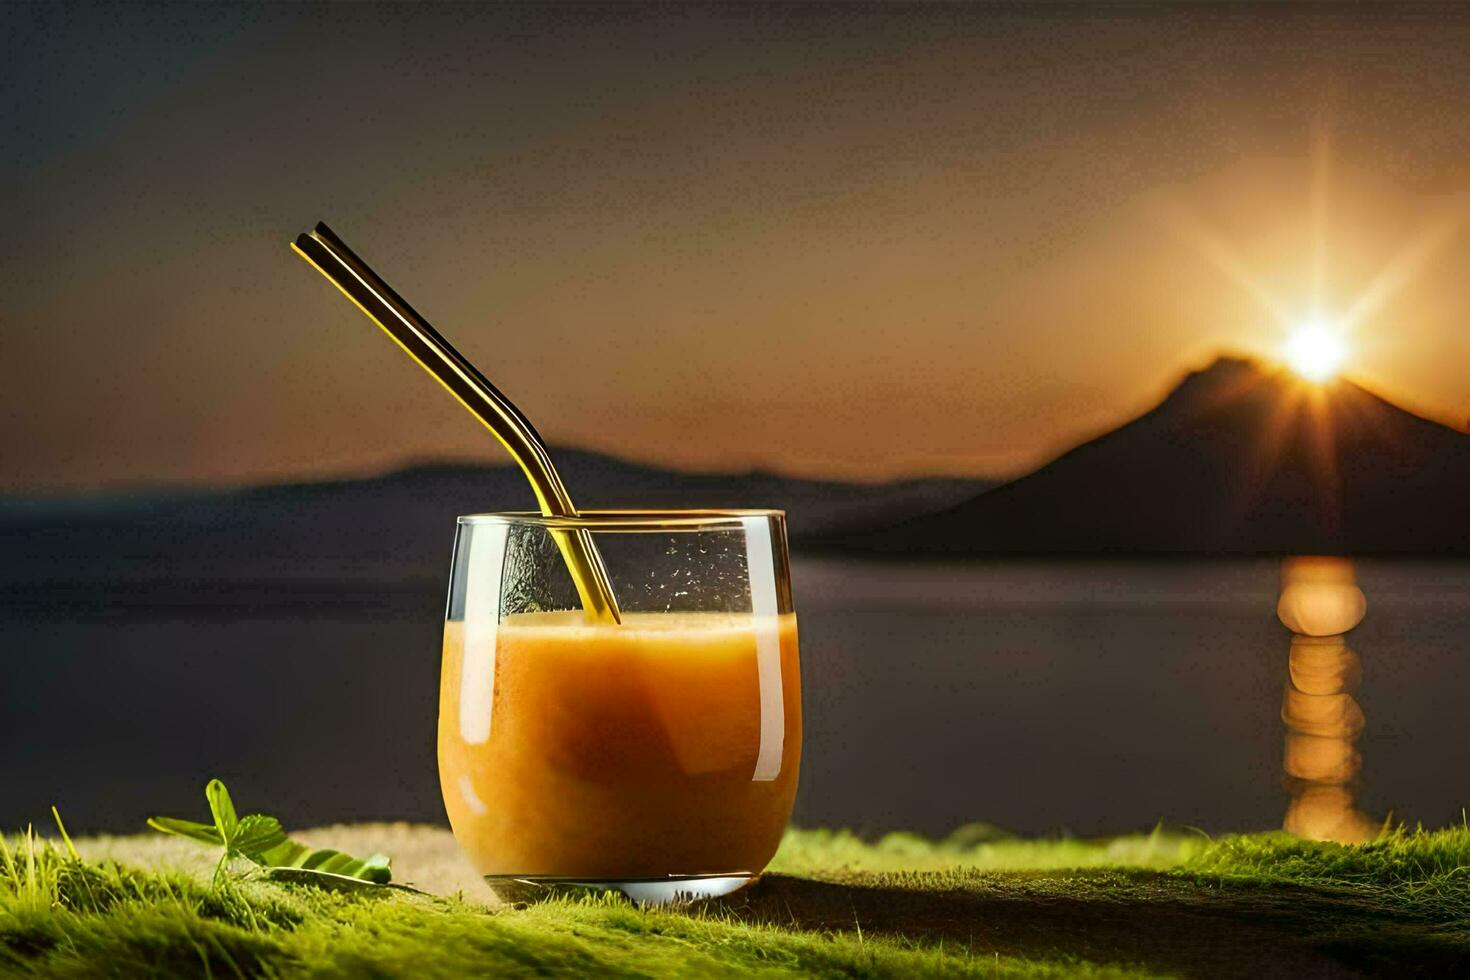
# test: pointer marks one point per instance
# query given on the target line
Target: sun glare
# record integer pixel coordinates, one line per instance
(1316, 350)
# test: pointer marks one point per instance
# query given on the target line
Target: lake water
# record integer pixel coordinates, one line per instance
(1088, 697)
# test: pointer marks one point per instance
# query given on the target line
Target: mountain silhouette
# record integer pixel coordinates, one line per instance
(1237, 459)
(376, 540)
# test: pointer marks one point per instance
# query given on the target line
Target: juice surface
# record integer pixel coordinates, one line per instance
(668, 744)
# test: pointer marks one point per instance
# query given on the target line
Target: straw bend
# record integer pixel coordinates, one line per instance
(333, 259)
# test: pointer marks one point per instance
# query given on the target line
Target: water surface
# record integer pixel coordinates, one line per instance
(1091, 697)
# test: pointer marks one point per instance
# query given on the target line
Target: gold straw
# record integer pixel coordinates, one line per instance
(333, 259)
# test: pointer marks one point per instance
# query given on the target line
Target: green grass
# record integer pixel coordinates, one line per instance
(825, 853)
(975, 904)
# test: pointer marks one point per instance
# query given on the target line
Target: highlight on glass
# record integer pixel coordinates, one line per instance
(658, 756)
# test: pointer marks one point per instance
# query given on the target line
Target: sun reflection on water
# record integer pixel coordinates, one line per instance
(1320, 603)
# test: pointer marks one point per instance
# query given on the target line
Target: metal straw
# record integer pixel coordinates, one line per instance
(333, 259)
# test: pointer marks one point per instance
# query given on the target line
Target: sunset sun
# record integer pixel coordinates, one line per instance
(1316, 350)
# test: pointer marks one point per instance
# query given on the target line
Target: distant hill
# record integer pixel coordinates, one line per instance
(1238, 459)
(369, 538)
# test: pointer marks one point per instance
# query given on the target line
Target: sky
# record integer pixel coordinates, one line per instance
(855, 242)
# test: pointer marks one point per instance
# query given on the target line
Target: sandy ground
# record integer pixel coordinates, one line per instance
(424, 857)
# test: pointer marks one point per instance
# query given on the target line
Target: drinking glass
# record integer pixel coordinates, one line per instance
(657, 756)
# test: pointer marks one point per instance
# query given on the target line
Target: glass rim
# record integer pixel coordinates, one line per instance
(630, 520)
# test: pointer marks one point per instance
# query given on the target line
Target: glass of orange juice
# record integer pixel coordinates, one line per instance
(657, 756)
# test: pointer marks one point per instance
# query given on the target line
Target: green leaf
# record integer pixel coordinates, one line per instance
(286, 854)
(202, 832)
(257, 834)
(376, 868)
(260, 838)
(223, 809)
(318, 879)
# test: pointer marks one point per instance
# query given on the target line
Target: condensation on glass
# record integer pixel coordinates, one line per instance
(658, 756)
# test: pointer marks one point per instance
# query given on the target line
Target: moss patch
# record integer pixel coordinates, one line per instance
(976, 904)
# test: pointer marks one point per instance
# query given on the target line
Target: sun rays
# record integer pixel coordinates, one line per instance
(1316, 349)
(1320, 325)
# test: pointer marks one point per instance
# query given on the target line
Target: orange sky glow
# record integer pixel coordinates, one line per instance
(828, 243)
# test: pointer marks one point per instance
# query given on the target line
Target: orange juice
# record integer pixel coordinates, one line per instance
(667, 745)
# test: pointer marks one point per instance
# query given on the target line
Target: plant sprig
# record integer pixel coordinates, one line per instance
(261, 840)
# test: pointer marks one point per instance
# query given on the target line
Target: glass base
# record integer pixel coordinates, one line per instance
(668, 890)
